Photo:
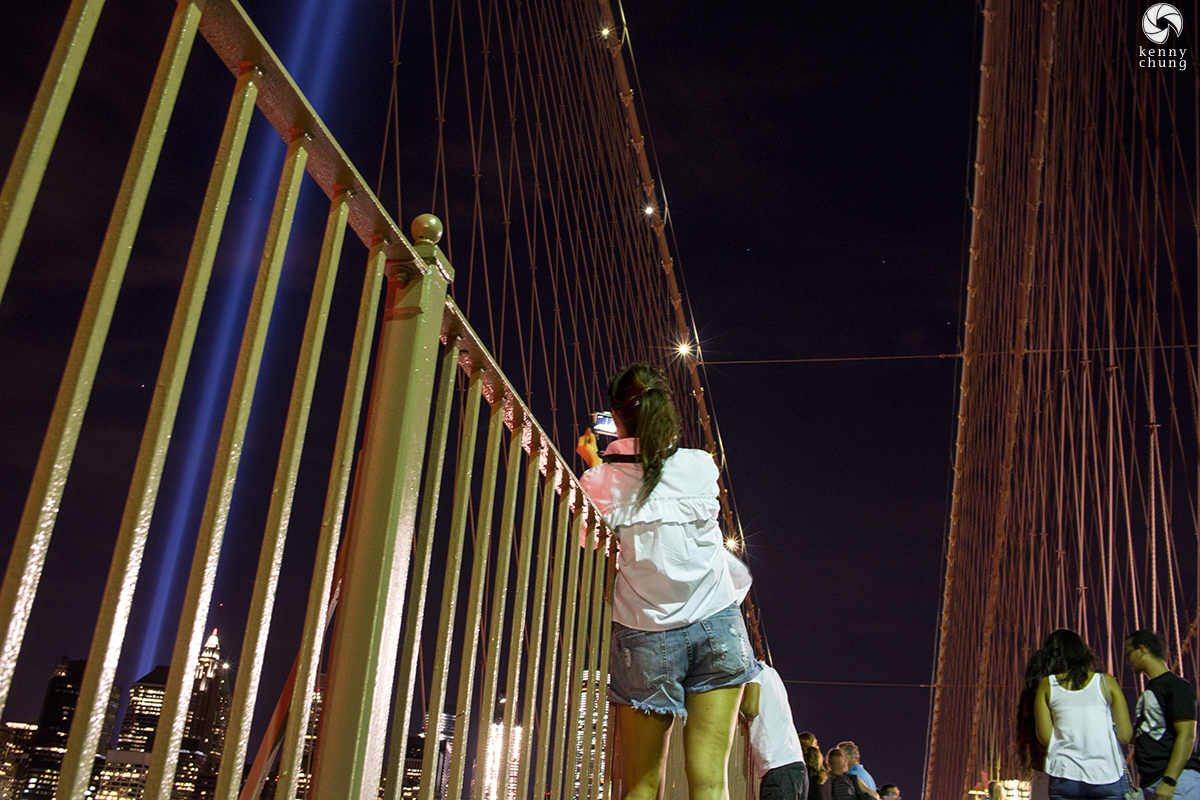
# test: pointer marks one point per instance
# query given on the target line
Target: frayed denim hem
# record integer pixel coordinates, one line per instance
(679, 714)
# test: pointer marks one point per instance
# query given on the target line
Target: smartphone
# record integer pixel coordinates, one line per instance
(603, 424)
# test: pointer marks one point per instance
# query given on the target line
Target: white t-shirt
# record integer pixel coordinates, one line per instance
(773, 739)
(673, 568)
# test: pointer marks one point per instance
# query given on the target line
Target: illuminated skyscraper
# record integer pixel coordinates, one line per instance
(124, 774)
(410, 776)
(501, 782)
(16, 740)
(443, 738)
(37, 778)
(141, 715)
(204, 731)
(414, 754)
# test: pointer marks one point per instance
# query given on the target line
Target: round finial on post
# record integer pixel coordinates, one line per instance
(427, 229)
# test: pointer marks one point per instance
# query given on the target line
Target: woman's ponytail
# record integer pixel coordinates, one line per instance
(640, 397)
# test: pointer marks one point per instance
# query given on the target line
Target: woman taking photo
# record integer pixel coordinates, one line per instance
(1078, 711)
(679, 645)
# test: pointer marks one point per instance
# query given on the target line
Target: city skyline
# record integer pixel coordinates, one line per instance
(29, 762)
(32, 753)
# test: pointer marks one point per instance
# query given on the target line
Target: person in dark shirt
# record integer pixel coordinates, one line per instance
(1165, 731)
(843, 785)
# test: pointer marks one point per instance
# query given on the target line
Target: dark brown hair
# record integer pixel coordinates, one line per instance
(1031, 753)
(640, 398)
(1148, 639)
(1067, 653)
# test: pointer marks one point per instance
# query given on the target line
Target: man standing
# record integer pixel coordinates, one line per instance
(776, 754)
(1165, 730)
(850, 750)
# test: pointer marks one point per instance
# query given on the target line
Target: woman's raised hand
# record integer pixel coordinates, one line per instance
(588, 449)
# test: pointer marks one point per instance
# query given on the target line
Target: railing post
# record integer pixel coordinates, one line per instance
(367, 629)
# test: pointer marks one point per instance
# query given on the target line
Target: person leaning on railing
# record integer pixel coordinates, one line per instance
(776, 754)
(679, 645)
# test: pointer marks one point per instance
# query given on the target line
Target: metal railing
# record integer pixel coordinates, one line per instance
(531, 634)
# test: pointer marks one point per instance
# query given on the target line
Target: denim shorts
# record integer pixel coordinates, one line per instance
(653, 670)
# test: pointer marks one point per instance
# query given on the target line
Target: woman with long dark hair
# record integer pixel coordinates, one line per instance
(1031, 753)
(1083, 720)
(679, 645)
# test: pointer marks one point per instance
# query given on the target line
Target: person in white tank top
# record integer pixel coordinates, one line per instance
(1084, 722)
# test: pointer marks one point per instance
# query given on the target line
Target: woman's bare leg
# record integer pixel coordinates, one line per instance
(707, 739)
(641, 751)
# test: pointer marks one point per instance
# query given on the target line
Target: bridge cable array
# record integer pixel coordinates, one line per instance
(1074, 501)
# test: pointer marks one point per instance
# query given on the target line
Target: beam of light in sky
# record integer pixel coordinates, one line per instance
(312, 49)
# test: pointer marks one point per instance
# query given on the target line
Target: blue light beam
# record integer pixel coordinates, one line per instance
(310, 34)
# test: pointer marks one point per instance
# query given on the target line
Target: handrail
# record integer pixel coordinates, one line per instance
(548, 649)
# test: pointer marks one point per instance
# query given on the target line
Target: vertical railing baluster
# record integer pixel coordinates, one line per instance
(469, 425)
(537, 622)
(516, 638)
(490, 674)
(58, 447)
(28, 167)
(279, 511)
(316, 618)
(602, 719)
(188, 638)
(579, 648)
(568, 696)
(595, 590)
(410, 650)
(105, 652)
(385, 532)
(563, 545)
(366, 632)
(479, 579)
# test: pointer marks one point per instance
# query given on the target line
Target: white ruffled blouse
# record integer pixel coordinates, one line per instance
(673, 568)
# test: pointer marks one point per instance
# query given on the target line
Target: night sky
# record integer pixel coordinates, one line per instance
(815, 160)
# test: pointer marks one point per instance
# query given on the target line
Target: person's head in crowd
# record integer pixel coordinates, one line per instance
(1143, 648)
(850, 749)
(837, 761)
(816, 764)
(1069, 655)
(808, 739)
(995, 790)
(889, 792)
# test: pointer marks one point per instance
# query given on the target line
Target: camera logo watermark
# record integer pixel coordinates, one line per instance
(1158, 23)
(1159, 20)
